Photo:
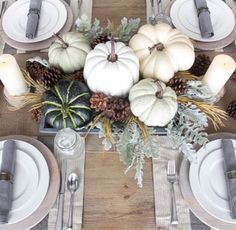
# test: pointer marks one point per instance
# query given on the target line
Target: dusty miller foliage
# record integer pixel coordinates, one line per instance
(187, 129)
(131, 146)
(91, 30)
(197, 91)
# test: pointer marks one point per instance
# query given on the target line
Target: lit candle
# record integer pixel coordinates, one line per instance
(11, 75)
(219, 72)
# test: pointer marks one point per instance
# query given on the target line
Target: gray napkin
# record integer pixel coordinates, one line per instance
(6, 185)
(230, 173)
(204, 19)
(33, 18)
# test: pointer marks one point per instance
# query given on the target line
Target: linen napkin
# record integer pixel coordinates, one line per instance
(230, 172)
(33, 18)
(204, 18)
(6, 184)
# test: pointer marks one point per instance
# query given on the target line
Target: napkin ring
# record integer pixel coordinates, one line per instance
(34, 11)
(202, 9)
(231, 175)
(6, 176)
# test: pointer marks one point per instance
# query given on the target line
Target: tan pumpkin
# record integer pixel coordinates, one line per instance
(162, 51)
(152, 102)
(69, 52)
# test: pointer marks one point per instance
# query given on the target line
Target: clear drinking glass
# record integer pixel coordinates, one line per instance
(68, 144)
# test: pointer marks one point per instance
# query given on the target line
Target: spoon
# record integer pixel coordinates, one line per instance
(72, 185)
(152, 19)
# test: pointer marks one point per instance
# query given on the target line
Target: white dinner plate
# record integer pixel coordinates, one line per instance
(31, 180)
(184, 17)
(208, 183)
(52, 18)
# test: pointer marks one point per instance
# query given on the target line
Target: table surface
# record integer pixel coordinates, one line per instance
(111, 200)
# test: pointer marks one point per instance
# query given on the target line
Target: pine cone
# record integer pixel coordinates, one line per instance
(117, 109)
(78, 76)
(231, 109)
(103, 38)
(48, 77)
(179, 85)
(36, 114)
(98, 101)
(200, 65)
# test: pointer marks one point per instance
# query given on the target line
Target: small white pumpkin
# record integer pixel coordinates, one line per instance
(162, 51)
(69, 52)
(152, 102)
(111, 68)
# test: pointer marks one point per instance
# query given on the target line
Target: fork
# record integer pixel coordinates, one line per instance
(171, 177)
(3, 8)
(152, 18)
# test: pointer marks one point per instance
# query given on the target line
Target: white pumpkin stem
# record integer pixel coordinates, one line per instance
(112, 57)
(160, 93)
(64, 44)
(159, 46)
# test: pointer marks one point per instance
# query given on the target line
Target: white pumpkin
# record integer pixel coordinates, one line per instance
(69, 52)
(111, 68)
(162, 51)
(152, 102)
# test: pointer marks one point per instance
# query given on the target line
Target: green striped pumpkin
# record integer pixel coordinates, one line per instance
(67, 105)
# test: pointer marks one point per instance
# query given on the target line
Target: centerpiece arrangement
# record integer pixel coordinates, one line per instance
(127, 82)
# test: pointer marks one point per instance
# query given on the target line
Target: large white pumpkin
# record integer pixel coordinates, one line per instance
(111, 68)
(152, 102)
(69, 52)
(162, 51)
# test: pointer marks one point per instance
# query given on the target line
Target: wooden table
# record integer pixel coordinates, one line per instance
(112, 200)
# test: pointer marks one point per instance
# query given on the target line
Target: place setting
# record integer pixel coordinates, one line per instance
(208, 184)
(30, 24)
(209, 24)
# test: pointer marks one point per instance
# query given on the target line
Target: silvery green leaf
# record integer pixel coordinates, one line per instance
(127, 29)
(83, 24)
(196, 90)
(107, 144)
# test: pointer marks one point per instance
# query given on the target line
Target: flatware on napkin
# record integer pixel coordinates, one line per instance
(230, 173)
(33, 18)
(204, 19)
(6, 179)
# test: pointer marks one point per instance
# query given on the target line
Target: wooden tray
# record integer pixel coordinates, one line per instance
(193, 204)
(53, 187)
(42, 44)
(213, 45)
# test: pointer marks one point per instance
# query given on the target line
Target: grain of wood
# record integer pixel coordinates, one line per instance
(116, 10)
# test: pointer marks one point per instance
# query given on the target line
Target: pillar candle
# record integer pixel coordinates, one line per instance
(219, 72)
(11, 75)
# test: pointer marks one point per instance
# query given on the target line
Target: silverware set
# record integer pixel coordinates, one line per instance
(172, 177)
(159, 16)
(72, 186)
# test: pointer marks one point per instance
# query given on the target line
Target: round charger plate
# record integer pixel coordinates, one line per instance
(213, 45)
(53, 16)
(189, 197)
(184, 17)
(207, 180)
(42, 44)
(52, 191)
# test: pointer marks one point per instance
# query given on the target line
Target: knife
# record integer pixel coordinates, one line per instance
(59, 221)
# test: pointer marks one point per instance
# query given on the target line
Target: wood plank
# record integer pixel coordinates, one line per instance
(113, 199)
(116, 10)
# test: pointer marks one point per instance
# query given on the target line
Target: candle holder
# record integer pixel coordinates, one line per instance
(219, 95)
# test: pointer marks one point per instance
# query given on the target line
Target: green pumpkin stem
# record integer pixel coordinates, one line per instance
(159, 46)
(64, 44)
(160, 93)
(112, 57)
